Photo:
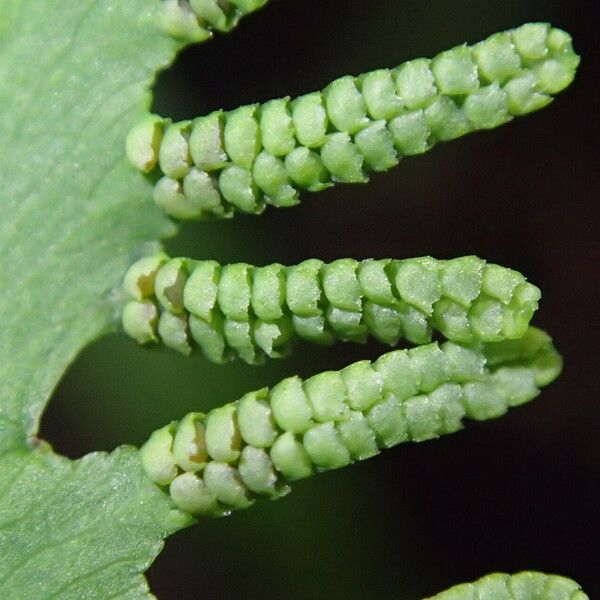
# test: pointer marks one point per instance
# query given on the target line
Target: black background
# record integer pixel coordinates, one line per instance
(517, 493)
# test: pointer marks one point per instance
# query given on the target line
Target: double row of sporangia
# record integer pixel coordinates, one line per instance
(255, 446)
(528, 585)
(264, 154)
(195, 20)
(252, 312)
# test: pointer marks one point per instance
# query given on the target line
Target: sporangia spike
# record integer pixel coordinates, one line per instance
(256, 446)
(528, 585)
(254, 312)
(259, 155)
(195, 20)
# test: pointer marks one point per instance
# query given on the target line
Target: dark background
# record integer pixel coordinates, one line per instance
(518, 493)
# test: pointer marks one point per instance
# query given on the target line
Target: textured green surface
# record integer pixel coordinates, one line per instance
(194, 21)
(77, 209)
(74, 77)
(528, 585)
(253, 447)
(263, 154)
(253, 312)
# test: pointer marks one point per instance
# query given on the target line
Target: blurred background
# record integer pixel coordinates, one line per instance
(518, 493)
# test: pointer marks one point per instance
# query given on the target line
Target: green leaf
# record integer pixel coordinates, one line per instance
(88, 528)
(74, 78)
